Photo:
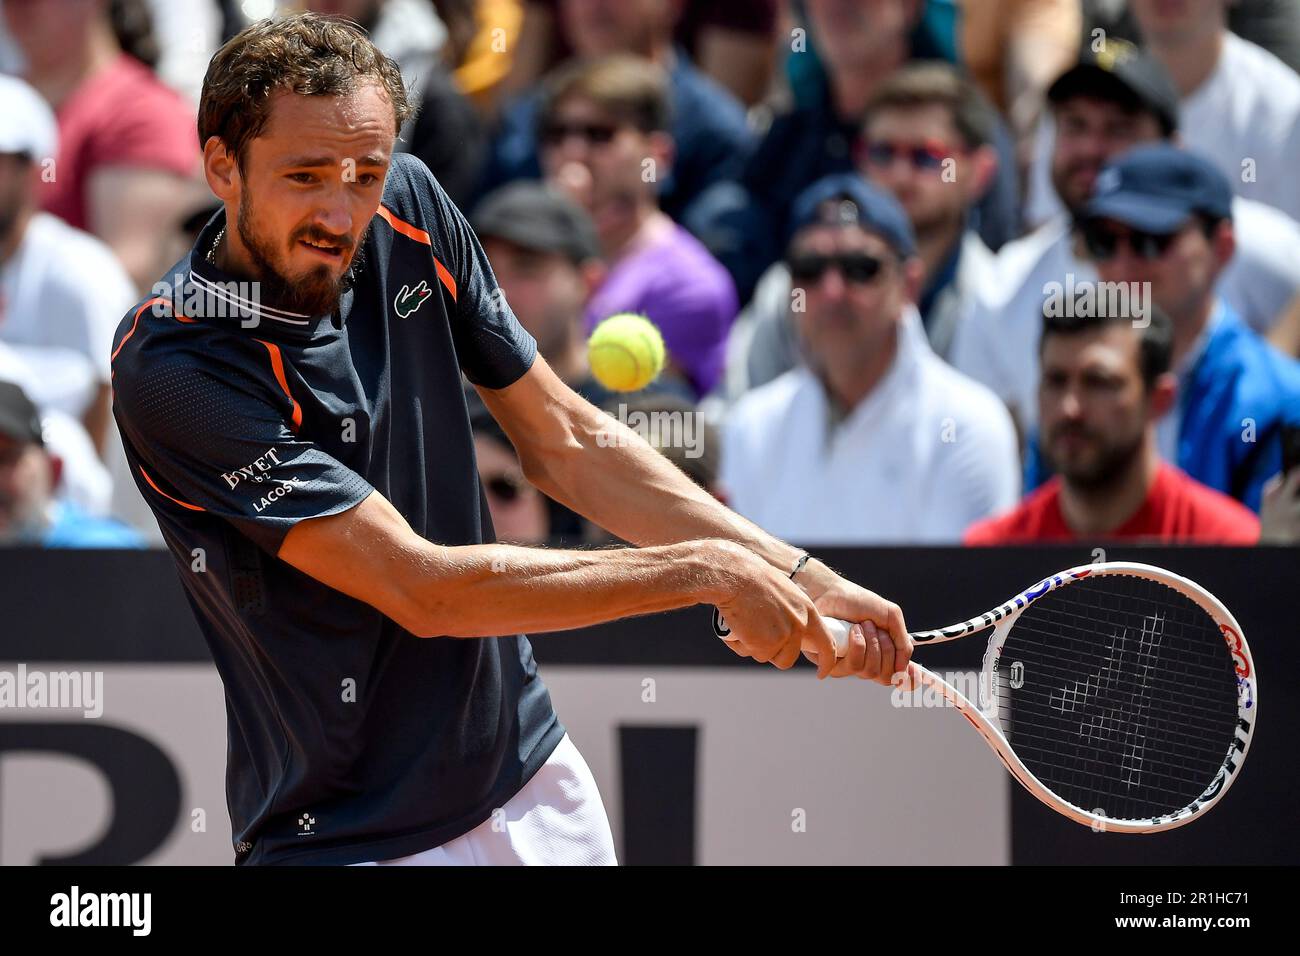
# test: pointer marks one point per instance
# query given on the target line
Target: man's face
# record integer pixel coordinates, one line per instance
(314, 175)
(1181, 277)
(42, 28)
(602, 27)
(600, 161)
(1093, 405)
(546, 290)
(850, 34)
(519, 514)
(15, 191)
(1088, 133)
(907, 152)
(846, 318)
(26, 482)
(1175, 21)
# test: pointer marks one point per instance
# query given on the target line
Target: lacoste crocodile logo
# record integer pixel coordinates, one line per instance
(408, 299)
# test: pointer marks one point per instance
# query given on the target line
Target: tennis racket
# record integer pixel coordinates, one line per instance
(1121, 695)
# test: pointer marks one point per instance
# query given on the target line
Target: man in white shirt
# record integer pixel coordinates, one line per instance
(926, 136)
(1102, 107)
(62, 291)
(876, 440)
(1240, 104)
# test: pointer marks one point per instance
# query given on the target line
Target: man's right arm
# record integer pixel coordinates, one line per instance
(216, 434)
(370, 553)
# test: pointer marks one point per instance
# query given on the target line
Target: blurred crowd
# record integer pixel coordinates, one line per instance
(927, 271)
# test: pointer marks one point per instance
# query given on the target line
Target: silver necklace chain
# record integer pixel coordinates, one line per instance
(212, 251)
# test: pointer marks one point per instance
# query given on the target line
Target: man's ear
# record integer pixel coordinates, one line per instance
(663, 150)
(983, 165)
(593, 273)
(220, 169)
(1164, 392)
(1224, 241)
(56, 472)
(913, 272)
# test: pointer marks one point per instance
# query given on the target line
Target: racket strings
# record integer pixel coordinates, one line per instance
(1119, 694)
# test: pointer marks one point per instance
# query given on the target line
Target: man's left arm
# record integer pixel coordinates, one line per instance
(600, 468)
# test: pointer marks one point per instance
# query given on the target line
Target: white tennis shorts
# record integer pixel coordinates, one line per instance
(557, 819)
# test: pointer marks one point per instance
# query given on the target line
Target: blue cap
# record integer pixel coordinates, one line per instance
(848, 198)
(1157, 188)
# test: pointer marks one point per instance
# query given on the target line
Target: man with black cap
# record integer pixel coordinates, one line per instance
(1109, 102)
(29, 474)
(874, 439)
(544, 252)
(546, 258)
(1164, 217)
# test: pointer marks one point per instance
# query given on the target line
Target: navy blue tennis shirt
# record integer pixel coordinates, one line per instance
(350, 739)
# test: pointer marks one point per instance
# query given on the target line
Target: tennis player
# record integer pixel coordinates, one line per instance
(290, 400)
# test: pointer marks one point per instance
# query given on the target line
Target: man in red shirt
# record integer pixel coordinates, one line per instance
(1105, 383)
(127, 166)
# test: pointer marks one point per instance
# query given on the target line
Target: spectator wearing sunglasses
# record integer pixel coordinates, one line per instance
(546, 259)
(847, 50)
(707, 123)
(519, 512)
(875, 439)
(1162, 217)
(926, 138)
(605, 143)
(1106, 382)
(1106, 104)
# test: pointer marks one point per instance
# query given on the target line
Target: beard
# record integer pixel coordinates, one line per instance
(1072, 194)
(1099, 470)
(314, 292)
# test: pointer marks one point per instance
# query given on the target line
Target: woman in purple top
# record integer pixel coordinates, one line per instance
(604, 141)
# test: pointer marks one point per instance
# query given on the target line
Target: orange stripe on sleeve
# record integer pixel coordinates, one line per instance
(136, 321)
(405, 228)
(419, 235)
(152, 485)
(445, 277)
(277, 366)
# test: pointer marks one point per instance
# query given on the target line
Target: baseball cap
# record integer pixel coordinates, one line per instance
(1123, 73)
(848, 198)
(27, 123)
(534, 216)
(1157, 187)
(19, 418)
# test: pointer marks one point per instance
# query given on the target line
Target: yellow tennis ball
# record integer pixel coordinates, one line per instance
(626, 352)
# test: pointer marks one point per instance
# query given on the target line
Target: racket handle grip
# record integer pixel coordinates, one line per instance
(839, 631)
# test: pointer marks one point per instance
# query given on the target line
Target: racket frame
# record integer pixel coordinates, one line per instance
(982, 716)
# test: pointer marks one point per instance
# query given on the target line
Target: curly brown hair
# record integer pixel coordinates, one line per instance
(303, 52)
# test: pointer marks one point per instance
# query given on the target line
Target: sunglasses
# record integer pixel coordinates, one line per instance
(855, 267)
(1103, 241)
(597, 134)
(506, 487)
(929, 154)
